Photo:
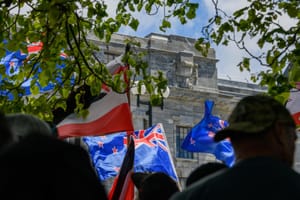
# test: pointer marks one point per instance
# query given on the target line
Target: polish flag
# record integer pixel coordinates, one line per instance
(109, 114)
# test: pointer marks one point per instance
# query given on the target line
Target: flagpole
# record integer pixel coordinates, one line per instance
(127, 49)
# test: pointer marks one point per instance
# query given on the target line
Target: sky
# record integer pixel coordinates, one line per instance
(228, 56)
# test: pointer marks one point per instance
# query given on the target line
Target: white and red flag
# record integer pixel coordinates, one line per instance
(108, 114)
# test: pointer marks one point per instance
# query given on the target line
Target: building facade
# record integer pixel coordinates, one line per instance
(192, 79)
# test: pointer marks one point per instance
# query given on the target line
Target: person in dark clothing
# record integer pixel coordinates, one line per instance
(203, 171)
(263, 136)
(43, 167)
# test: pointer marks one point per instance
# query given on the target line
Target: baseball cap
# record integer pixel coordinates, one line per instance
(253, 115)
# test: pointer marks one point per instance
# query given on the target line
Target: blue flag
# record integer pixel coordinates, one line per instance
(200, 138)
(151, 152)
(13, 61)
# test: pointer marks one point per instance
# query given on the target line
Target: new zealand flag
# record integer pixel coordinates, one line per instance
(13, 62)
(151, 152)
(200, 138)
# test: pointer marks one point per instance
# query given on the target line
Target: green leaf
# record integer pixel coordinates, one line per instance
(293, 11)
(131, 7)
(35, 90)
(239, 13)
(134, 24)
(218, 20)
(191, 14)
(166, 24)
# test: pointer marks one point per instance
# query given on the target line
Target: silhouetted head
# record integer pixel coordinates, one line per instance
(23, 125)
(261, 126)
(157, 186)
(43, 167)
(203, 171)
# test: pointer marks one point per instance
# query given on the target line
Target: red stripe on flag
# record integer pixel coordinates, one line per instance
(296, 117)
(128, 188)
(112, 189)
(34, 47)
(114, 121)
(127, 192)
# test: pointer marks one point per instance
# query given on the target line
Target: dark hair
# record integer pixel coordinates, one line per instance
(23, 125)
(158, 186)
(203, 171)
(51, 169)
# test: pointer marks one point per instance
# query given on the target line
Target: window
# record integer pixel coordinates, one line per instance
(181, 133)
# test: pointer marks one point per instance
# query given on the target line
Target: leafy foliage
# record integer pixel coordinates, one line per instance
(65, 25)
(259, 22)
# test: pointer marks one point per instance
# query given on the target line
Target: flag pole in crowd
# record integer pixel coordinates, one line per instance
(152, 153)
(123, 186)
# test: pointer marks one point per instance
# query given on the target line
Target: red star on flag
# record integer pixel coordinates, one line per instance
(115, 150)
(117, 169)
(192, 141)
(11, 64)
(100, 144)
(211, 134)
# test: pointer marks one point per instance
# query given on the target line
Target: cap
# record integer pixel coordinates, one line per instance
(254, 114)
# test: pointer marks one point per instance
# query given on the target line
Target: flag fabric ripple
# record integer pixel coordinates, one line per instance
(152, 152)
(200, 138)
(14, 60)
(108, 114)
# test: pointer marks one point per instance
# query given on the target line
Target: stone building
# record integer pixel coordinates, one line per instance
(192, 79)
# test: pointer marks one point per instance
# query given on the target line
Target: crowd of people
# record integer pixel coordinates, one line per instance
(36, 165)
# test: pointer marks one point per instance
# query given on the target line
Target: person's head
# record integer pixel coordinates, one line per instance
(158, 185)
(203, 171)
(261, 126)
(50, 169)
(23, 125)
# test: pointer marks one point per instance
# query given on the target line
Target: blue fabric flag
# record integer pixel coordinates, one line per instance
(200, 138)
(151, 152)
(12, 61)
